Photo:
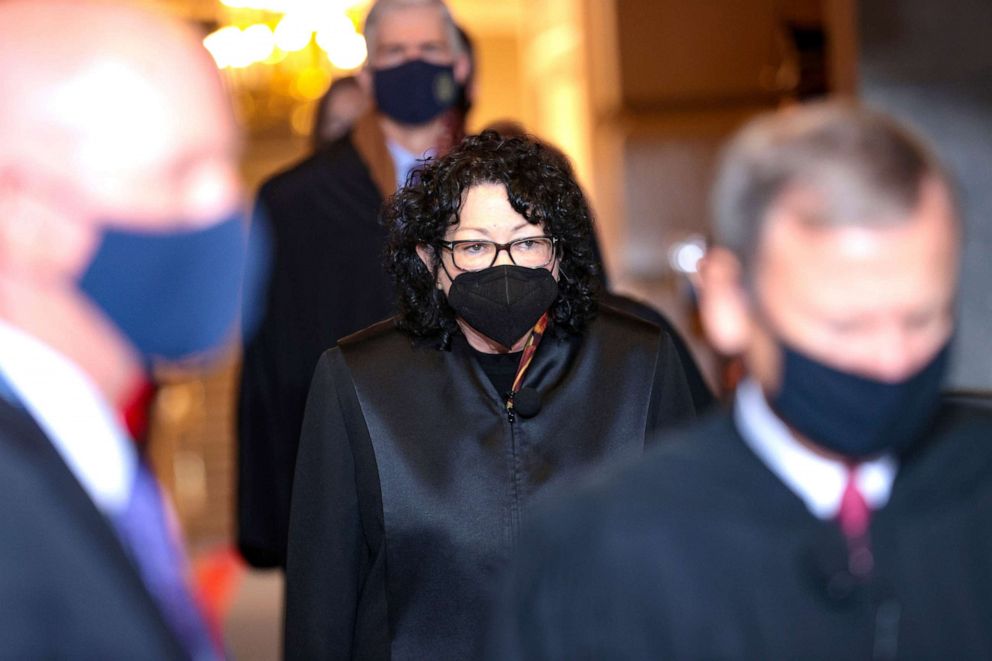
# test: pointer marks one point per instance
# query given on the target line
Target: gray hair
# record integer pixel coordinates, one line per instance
(865, 168)
(380, 7)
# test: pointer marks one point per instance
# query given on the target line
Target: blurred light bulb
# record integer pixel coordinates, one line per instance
(223, 45)
(344, 50)
(684, 256)
(279, 6)
(293, 32)
(258, 42)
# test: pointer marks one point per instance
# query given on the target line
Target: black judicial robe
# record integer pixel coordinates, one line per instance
(411, 479)
(327, 282)
(701, 552)
(68, 590)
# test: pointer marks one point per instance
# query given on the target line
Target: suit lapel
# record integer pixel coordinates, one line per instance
(96, 534)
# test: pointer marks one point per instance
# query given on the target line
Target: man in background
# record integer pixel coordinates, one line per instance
(328, 278)
(121, 246)
(840, 511)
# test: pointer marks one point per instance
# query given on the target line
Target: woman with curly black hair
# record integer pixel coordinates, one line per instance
(427, 435)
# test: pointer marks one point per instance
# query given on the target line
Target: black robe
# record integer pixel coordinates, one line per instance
(327, 282)
(412, 480)
(701, 552)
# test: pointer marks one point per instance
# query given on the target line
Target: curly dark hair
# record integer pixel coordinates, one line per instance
(540, 186)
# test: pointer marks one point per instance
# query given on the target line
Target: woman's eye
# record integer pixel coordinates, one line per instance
(473, 248)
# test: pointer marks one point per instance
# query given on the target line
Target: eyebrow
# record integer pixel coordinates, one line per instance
(485, 231)
(401, 45)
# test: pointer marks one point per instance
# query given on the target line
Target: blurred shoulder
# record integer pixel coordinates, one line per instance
(330, 163)
(702, 466)
(615, 325)
(382, 342)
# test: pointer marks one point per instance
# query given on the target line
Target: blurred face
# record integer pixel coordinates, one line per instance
(877, 302)
(168, 162)
(128, 151)
(344, 107)
(411, 33)
(486, 215)
(121, 123)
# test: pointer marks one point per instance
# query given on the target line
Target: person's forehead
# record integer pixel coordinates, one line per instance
(134, 152)
(122, 115)
(411, 25)
(486, 207)
(858, 266)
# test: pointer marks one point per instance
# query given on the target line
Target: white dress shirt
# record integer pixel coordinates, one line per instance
(72, 412)
(405, 162)
(817, 480)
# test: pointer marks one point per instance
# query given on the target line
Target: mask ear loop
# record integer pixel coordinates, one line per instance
(556, 261)
(440, 263)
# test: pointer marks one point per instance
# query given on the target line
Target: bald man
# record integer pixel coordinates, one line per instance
(121, 246)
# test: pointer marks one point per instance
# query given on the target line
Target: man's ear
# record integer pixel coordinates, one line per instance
(723, 302)
(462, 67)
(364, 78)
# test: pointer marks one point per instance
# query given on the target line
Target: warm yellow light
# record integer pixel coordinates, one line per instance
(301, 119)
(311, 83)
(293, 33)
(258, 42)
(345, 50)
(224, 45)
(263, 5)
(286, 6)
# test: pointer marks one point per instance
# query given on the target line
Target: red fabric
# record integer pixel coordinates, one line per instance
(217, 575)
(135, 411)
(854, 514)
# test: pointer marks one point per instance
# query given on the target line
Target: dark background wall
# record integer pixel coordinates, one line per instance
(931, 64)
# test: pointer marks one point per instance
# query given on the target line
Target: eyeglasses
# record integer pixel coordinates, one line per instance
(531, 252)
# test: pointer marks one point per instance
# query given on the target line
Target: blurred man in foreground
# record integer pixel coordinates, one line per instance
(840, 511)
(121, 245)
(328, 278)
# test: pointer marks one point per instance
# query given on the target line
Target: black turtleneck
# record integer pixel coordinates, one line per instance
(501, 368)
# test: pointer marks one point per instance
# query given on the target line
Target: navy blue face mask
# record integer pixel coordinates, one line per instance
(852, 415)
(176, 295)
(415, 92)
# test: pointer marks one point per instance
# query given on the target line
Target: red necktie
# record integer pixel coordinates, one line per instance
(134, 412)
(853, 517)
(854, 513)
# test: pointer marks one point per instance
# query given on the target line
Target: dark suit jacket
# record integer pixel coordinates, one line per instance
(701, 552)
(327, 281)
(67, 589)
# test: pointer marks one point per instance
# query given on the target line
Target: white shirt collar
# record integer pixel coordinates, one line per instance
(817, 480)
(74, 415)
(405, 161)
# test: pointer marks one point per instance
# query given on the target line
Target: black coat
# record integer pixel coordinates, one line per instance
(700, 551)
(327, 282)
(412, 480)
(67, 588)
